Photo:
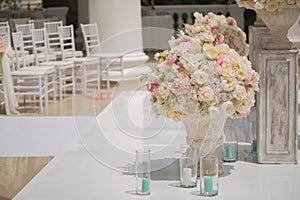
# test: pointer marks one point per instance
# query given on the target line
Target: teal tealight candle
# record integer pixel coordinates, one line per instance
(254, 146)
(229, 153)
(208, 184)
(145, 185)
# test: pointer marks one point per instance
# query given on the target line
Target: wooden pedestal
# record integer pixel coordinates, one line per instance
(277, 107)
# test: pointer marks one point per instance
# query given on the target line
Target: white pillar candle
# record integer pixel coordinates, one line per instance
(186, 176)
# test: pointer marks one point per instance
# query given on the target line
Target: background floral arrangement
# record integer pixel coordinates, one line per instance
(269, 5)
(217, 29)
(198, 73)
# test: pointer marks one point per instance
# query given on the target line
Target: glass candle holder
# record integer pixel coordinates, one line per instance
(188, 167)
(209, 177)
(230, 144)
(142, 171)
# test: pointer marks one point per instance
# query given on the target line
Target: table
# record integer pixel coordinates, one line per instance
(99, 164)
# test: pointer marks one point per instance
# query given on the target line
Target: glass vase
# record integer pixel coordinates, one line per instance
(143, 172)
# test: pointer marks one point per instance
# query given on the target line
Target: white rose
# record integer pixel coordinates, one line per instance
(223, 48)
(228, 84)
(240, 93)
(210, 51)
(207, 36)
(199, 77)
(205, 94)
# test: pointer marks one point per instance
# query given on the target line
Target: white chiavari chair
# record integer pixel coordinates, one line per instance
(65, 69)
(108, 61)
(38, 23)
(17, 21)
(90, 66)
(53, 40)
(31, 81)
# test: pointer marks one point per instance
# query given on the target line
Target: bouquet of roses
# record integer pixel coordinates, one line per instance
(217, 29)
(269, 5)
(200, 72)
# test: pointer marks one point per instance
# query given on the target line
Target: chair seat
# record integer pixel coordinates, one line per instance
(57, 63)
(107, 55)
(86, 60)
(48, 69)
(67, 54)
(28, 73)
(43, 56)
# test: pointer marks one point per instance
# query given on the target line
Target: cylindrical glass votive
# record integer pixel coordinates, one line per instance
(188, 166)
(209, 179)
(142, 169)
(230, 144)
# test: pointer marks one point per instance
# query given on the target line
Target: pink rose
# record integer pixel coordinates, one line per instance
(210, 15)
(220, 39)
(181, 85)
(231, 21)
(172, 58)
(151, 87)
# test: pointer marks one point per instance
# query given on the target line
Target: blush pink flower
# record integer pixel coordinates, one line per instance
(210, 15)
(151, 87)
(231, 21)
(181, 85)
(250, 78)
(183, 39)
(223, 59)
(172, 58)
(179, 64)
(219, 39)
(237, 43)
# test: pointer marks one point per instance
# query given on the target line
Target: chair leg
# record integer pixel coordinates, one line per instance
(60, 84)
(98, 77)
(54, 86)
(41, 94)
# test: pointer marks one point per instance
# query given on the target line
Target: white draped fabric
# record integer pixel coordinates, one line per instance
(9, 96)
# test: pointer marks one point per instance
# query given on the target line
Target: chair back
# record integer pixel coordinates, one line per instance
(52, 35)
(39, 44)
(19, 50)
(38, 23)
(5, 30)
(26, 30)
(91, 38)
(17, 21)
(67, 44)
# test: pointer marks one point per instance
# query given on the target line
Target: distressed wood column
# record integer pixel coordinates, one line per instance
(258, 35)
(277, 107)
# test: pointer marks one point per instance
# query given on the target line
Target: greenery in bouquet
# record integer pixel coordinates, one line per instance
(201, 71)
(269, 5)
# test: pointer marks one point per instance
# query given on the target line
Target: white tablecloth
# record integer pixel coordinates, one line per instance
(99, 164)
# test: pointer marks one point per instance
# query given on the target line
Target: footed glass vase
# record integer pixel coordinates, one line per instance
(205, 134)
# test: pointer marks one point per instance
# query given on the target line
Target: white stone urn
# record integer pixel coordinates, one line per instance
(279, 22)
